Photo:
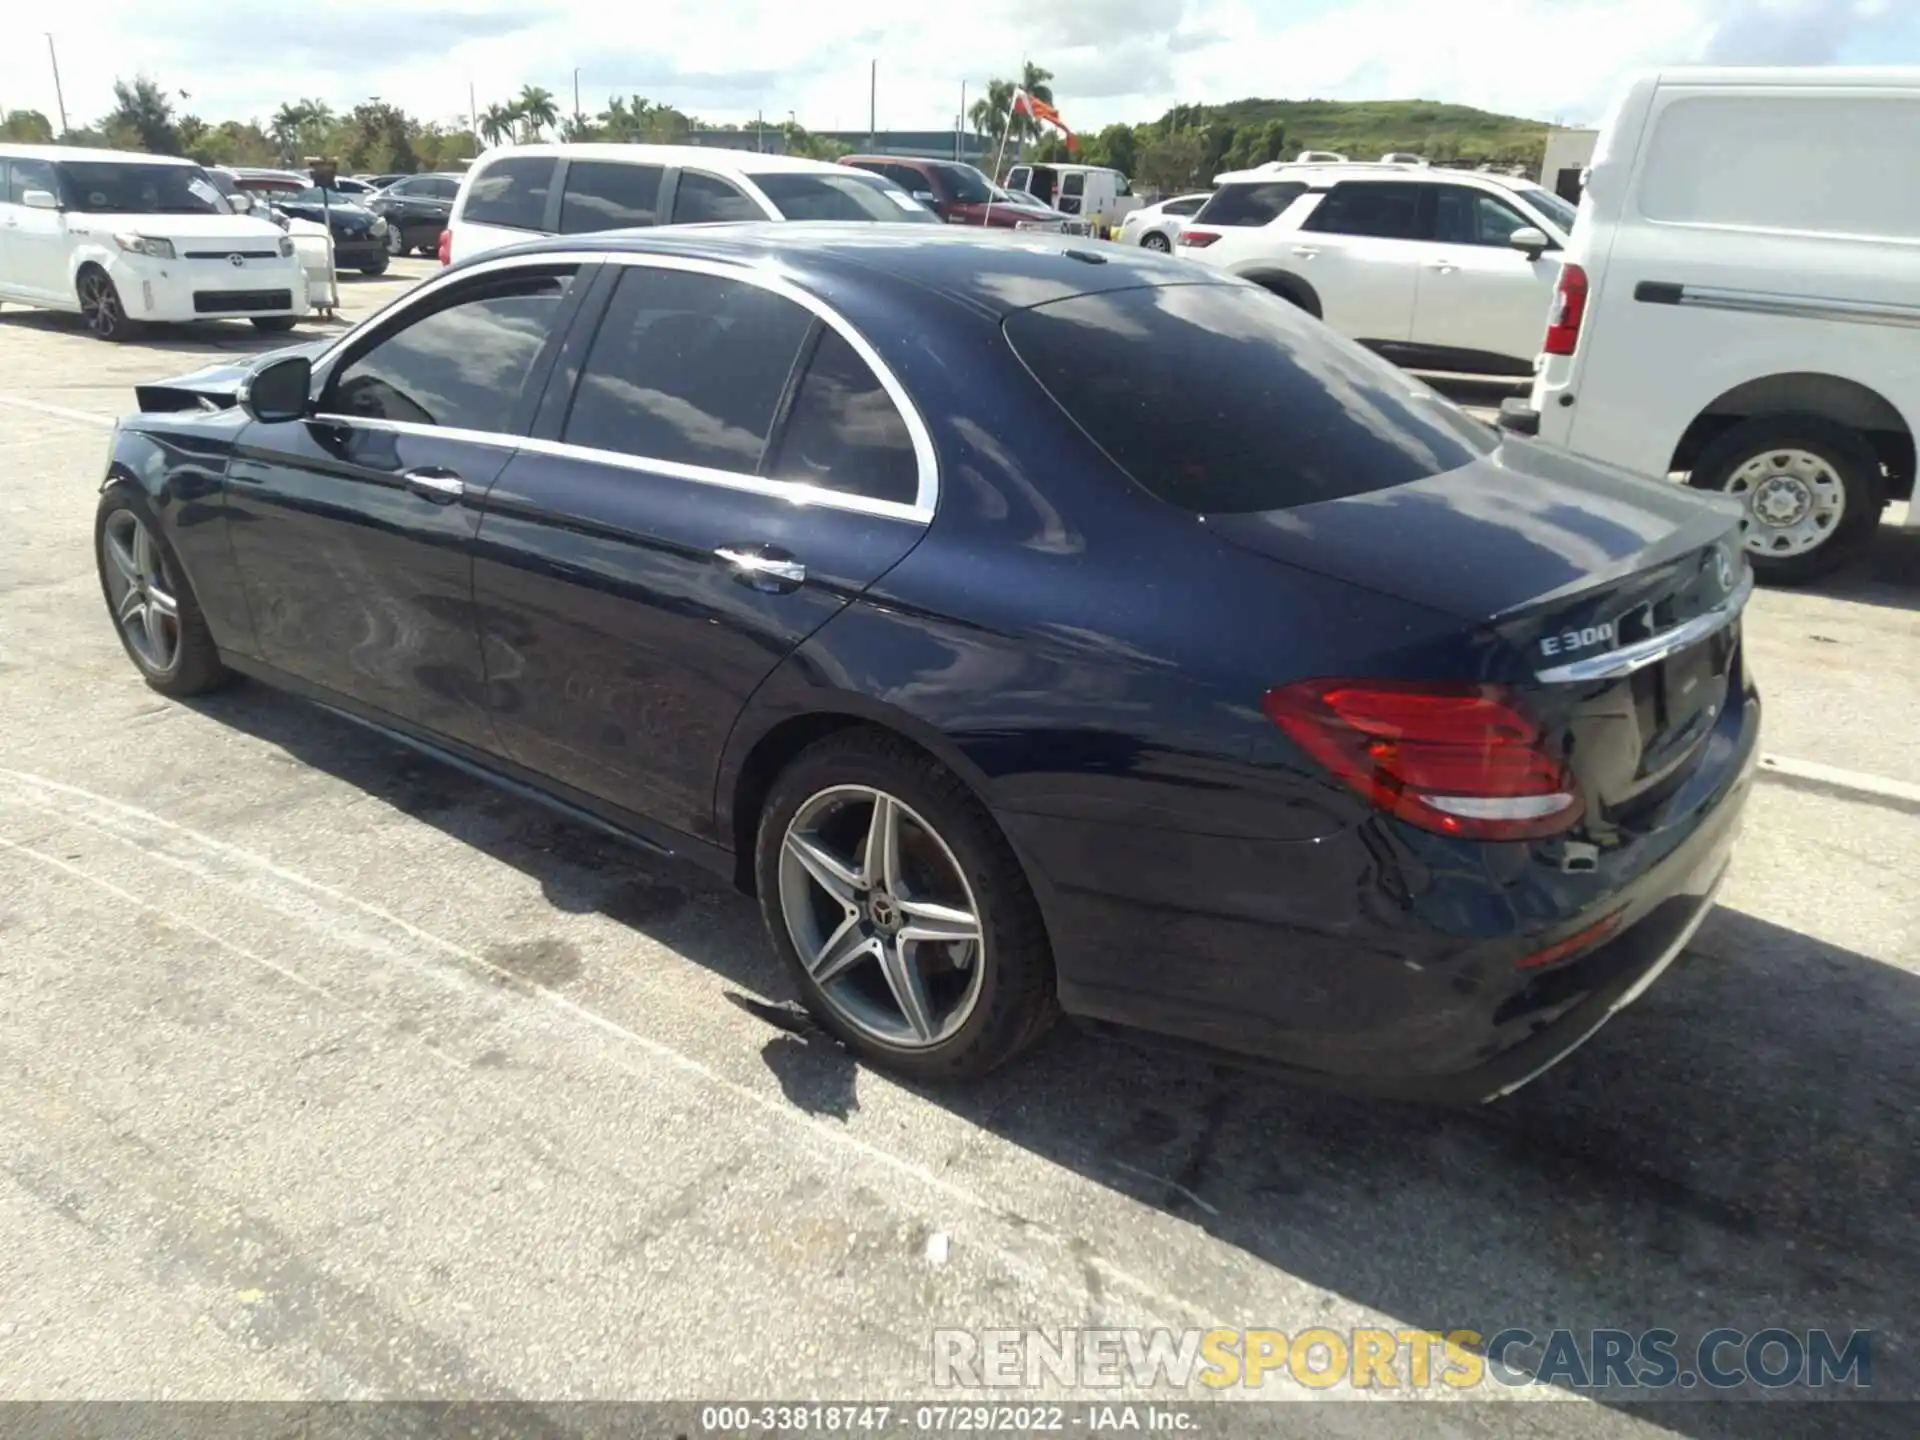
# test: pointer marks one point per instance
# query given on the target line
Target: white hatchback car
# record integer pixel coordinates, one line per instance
(1157, 226)
(126, 238)
(517, 193)
(1435, 269)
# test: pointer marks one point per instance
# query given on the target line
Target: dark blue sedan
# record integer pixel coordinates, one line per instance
(1033, 625)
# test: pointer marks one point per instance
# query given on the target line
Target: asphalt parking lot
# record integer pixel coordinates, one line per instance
(327, 1072)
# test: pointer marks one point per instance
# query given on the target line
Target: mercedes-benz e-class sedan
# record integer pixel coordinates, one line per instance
(1030, 626)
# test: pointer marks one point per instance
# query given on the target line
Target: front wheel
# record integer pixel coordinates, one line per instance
(101, 308)
(375, 266)
(274, 322)
(1154, 240)
(396, 243)
(901, 911)
(1811, 489)
(153, 608)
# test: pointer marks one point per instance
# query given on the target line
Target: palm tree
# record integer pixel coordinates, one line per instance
(497, 122)
(988, 114)
(537, 109)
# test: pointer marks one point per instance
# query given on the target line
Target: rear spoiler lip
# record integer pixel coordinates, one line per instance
(1628, 658)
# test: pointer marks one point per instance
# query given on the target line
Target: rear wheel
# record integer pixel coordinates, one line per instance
(1811, 488)
(901, 911)
(1154, 240)
(153, 608)
(274, 322)
(100, 306)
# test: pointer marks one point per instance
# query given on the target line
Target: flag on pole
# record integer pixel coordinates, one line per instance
(1038, 109)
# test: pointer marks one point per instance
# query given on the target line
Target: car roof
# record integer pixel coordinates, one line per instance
(1088, 169)
(76, 152)
(992, 272)
(1317, 173)
(706, 157)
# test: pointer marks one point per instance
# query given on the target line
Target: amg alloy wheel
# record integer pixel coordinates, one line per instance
(154, 611)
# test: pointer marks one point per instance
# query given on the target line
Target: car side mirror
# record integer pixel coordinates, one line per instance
(242, 204)
(1531, 240)
(40, 200)
(278, 391)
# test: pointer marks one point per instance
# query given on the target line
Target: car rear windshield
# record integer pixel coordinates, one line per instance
(849, 196)
(1225, 399)
(111, 187)
(1259, 203)
(319, 196)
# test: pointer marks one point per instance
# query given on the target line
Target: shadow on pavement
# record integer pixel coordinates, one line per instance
(1739, 1149)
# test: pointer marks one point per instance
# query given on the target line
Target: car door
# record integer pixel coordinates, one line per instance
(715, 474)
(1360, 249)
(33, 240)
(353, 528)
(1478, 295)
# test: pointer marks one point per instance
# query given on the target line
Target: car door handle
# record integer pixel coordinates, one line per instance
(1305, 252)
(763, 567)
(1445, 267)
(443, 487)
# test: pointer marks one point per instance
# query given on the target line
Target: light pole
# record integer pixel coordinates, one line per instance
(59, 98)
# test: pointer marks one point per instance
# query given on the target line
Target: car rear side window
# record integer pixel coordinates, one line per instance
(609, 195)
(25, 175)
(844, 432)
(687, 368)
(1369, 207)
(1223, 399)
(1260, 203)
(460, 366)
(511, 192)
(704, 198)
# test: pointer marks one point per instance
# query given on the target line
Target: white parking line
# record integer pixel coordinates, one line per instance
(59, 412)
(1880, 786)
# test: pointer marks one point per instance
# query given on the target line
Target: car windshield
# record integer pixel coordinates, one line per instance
(1552, 206)
(968, 185)
(852, 196)
(317, 196)
(112, 187)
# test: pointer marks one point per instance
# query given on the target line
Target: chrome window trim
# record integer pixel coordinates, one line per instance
(927, 488)
(1642, 653)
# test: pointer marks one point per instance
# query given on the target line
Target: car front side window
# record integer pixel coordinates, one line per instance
(461, 365)
(704, 199)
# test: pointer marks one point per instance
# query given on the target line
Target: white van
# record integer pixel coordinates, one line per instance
(524, 191)
(1101, 196)
(125, 238)
(1740, 301)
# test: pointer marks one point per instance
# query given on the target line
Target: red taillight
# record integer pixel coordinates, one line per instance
(1455, 759)
(1196, 239)
(446, 246)
(1569, 309)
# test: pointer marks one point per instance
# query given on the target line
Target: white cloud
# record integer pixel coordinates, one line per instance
(1114, 59)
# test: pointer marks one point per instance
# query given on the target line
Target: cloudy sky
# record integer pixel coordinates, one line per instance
(728, 59)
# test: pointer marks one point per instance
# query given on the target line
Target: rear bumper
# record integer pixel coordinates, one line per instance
(1345, 985)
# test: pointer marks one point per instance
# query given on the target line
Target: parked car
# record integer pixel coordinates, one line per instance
(1156, 226)
(577, 189)
(1435, 269)
(697, 533)
(960, 194)
(416, 209)
(126, 238)
(353, 189)
(1098, 194)
(1030, 208)
(312, 242)
(381, 182)
(359, 235)
(1739, 302)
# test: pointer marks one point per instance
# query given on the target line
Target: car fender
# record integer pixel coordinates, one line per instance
(95, 249)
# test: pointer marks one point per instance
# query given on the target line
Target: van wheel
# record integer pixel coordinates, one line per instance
(900, 910)
(1812, 491)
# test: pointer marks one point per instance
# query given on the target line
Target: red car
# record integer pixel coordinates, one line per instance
(959, 194)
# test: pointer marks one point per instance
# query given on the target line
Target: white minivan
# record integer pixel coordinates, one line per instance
(524, 191)
(125, 238)
(1740, 301)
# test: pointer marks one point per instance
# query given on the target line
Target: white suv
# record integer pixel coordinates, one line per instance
(525, 191)
(127, 238)
(1435, 269)
(1741, 302)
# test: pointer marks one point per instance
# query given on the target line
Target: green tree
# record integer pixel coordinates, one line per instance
(1172, 163)
(1116, 146)
(537, 110)
(497, 122)
(26, 127)
(141, 112)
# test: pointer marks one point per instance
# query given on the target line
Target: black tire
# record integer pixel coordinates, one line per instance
(1845, 451)
(1015, 1004)
(1154, 240)
(101, 307)
(275, 322)
(1293, 291)
(196, 667)
(375, 266)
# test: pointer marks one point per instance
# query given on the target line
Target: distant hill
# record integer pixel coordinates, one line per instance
(1368, 129)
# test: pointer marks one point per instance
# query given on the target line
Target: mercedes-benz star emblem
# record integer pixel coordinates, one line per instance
(236, 260)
